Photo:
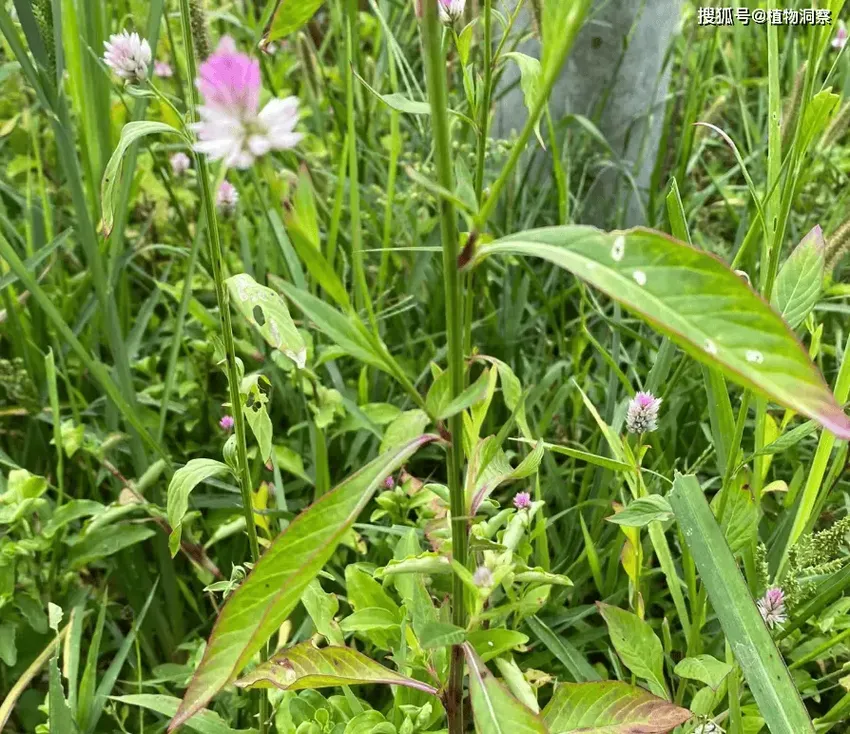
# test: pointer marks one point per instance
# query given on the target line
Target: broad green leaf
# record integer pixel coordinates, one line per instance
(493, 642)
(185, 479)
(71, 511)
(368, 619)
(610, 707)
(799, 284)
(704, 668)
(255, 391)
(494, 709)
(409, 424)
(745, 630)
(697, 301)
(291, 461)
(530, 73)
(266, 598)
(577, 665)
(206, 722)
(400, 103)
(8, 648)
(322, 608)
(305, 666)
(439, 402)
(818, 111)
(637, 645)
(740, 516)
(131, 132)
(441, 634)
(642, 511)
(268, 313)
(289, 16)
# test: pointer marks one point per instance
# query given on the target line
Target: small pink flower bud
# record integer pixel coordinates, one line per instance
(642, 416)
(772, 607)
(522, 500)
(226, 422)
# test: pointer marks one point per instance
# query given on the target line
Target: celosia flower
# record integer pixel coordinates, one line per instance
(772, 607)
(227, 198)
(389, 482)
(482, 577)
(451, 10)
(128, 55)
(163, 69)
(226, 422)
(522, 500)
(642, 416)
(840, 40)
(232, 128)
(180, 163)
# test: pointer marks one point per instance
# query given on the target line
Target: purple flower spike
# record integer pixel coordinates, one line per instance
(482, 577)
(226, 422)
(522, 500)
(772, 607)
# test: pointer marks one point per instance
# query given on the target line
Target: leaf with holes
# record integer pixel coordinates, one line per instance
(185, 479)
(494, 709)
(305, 667)
(267, 597)
(799, 284)
(697, 301)
(610, 707)
(268, 313)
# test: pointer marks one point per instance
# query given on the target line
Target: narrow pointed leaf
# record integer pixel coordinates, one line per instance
(760, 660)
(206, 722)
(268, 313)
(305, 666)
(185, 479)
(273, 589)
(697, 301)
(610, 707)
(494, 709)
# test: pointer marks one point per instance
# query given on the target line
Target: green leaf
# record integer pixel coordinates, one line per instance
(637, 645)
(131, 132)
(105, 541)
(268, 313)
(439, 403)
(206, 722)
(704, 668)
(564, 650)
(530, 77)
(818, 111)
(61, 719)
(266, 598)
(289, 16)
(368, 619)
(610, 707)
(740, 516)
(409, 424)
(697, 301)
(745, 630)
(441, 634)
(642, 511)
(8, 648)
(799, 284)
(255, 390)
(603, 461)
(305, 667)
(400, 103)
(494, 709)
(185, 479)
(493, 642)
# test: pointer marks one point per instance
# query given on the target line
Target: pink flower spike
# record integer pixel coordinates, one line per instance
(389, 482)
(227, 198)
(226, 422)
(642, 416)
(840, 40)
(180, 163)
(772, 607)
(522, 500)
(451, 10)
(230, 79)
(163, 69)
(128, 55)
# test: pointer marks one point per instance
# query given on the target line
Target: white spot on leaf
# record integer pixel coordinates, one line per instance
(275, 332)
(640, 277)
(710, 346)
(755, 356)
(619, 249)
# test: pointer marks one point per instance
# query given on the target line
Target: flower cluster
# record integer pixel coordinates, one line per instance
(451, 10)
(128, 55)
(232, 128)
(772, 607)
(226, 198)
(642, 416)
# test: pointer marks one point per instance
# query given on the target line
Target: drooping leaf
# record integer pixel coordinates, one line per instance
(305, 666)
(704, 668)
(494, 709)
(185, 479)
(610, 707)
(105, 541)
(289, 16)
(530, 72)
(266, 598)
(130, 133)
(637, 645)
(268, 313)
(697, 301)
(642, 511)
(799, 284)
(745, 630)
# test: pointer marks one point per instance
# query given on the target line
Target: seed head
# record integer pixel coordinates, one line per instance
(772, 607)
(451, 10)
(128, 56)
(642, 416)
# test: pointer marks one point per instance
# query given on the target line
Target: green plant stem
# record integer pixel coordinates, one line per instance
(484, 100)
(435, 66)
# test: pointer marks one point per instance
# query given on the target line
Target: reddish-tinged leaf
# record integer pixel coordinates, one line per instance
(273, 589)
